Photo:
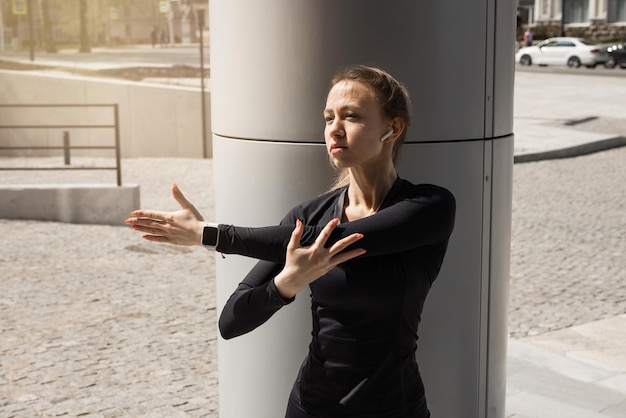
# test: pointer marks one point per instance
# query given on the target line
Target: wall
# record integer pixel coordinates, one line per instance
(155, 120)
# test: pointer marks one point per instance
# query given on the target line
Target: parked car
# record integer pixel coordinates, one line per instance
(617, 56)
(572, 52)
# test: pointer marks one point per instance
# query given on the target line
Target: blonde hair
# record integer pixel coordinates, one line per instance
(392, 96)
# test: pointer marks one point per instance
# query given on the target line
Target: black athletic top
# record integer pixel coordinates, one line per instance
(365, 311)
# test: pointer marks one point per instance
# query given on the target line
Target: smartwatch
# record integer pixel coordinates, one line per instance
(210, 235)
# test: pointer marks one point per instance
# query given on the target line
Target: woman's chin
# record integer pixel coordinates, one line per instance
(339, 163)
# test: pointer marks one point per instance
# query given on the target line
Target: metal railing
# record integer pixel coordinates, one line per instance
(66, 147)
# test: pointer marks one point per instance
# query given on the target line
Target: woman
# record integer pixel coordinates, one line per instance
(368, 250)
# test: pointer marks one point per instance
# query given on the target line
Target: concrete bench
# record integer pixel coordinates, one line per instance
(72, 203)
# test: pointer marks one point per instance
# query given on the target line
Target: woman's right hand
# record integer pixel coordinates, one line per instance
(304, 265)
(181, 227)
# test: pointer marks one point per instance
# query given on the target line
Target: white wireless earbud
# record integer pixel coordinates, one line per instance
(387, 135)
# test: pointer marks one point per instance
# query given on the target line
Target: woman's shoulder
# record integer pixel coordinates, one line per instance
(425, 195)
(409, 188)
(428, 201)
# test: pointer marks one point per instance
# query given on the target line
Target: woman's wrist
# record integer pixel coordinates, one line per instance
(285, 285)
(208, 234)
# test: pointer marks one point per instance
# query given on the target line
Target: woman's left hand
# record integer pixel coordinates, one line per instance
(182, 227)
(304, 265)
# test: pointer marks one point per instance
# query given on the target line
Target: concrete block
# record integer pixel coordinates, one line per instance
(72, 203)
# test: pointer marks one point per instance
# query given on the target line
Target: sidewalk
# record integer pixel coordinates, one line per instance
(575, 372)
(580, 371)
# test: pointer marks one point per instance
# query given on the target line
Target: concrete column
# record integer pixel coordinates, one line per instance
(271, 63)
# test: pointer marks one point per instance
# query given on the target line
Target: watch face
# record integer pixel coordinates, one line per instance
(209, 235)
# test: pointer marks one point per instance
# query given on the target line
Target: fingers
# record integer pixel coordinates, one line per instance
(146, 224)
(348, 255)
(155, 238)
(336, 251)
(180, 227)
(338, 255)
(184, 203)
(344, 243)
(337, 247)
(325, 234)
(180, 197)
(148, 214)
(159, 215)
(296, 236)
(148, 229)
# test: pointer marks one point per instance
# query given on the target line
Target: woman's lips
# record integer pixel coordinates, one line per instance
(335, 149)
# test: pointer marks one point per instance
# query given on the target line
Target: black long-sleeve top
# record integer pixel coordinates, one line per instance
(365, 311)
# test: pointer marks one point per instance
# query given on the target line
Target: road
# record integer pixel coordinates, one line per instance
(583, 71)
(134, 55)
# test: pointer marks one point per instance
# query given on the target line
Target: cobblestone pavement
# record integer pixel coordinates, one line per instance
(96, 322)
(568, 242)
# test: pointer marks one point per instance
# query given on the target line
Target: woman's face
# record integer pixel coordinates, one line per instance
(354, 125)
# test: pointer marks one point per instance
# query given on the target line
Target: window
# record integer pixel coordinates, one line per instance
(617, 11)
(550, 44)
(576, 11)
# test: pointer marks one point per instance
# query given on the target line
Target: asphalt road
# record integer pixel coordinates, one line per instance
(583, 71)
(190, 55)
(131, 55)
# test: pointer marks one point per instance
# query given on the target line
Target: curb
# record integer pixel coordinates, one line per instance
(575, 151)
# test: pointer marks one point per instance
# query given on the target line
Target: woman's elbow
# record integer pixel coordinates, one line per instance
(226, 328)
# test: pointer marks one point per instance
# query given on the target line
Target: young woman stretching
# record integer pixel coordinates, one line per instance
(368, 250)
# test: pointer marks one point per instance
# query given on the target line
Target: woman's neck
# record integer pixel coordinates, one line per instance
(366, 192)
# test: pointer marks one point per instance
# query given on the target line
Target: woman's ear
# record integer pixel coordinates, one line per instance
(397, 127)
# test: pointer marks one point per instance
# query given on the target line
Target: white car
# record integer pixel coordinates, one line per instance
(572, 52)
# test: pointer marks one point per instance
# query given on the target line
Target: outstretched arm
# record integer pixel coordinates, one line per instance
(424, 218)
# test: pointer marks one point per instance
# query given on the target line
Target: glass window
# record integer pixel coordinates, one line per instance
(549, 43)
(617, 11)
(575, 11)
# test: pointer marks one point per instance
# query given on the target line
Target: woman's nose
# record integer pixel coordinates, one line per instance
(335, 128)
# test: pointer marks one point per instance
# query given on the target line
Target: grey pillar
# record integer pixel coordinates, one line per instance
(271, 62)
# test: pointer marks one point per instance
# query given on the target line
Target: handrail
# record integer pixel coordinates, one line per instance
(66, 147)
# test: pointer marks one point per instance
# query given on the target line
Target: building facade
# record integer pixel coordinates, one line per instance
(599, 20)
(108, 22)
